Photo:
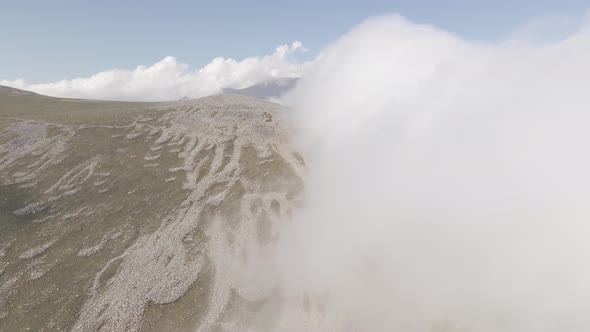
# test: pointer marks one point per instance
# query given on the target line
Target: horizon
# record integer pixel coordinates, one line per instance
(139, 40)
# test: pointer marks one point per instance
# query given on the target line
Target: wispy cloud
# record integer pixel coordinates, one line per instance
(169, 79)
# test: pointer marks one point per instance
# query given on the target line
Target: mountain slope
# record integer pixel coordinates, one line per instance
(9, 91)
(123, 216)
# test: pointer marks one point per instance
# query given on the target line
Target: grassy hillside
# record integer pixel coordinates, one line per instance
(123, 216)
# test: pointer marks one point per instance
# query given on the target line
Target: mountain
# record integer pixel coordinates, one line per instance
(9, 91)
(121, 216)
(270, 89)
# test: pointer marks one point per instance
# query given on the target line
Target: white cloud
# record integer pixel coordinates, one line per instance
(170, 80)
(447, 185)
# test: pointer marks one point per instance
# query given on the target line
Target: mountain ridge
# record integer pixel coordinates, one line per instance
(10, 91)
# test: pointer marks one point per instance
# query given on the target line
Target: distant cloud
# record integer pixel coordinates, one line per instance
(169, 79)
(546, 28)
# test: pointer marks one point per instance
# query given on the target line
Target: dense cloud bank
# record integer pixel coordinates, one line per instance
(170, 80)
(447, 185)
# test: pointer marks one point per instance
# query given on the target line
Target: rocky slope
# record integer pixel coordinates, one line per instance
(137, 216)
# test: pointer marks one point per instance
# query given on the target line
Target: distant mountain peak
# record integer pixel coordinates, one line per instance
(273, 88)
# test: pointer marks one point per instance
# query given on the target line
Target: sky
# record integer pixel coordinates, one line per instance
(49, 41)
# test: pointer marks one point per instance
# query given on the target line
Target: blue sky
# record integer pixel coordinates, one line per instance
(51, 40)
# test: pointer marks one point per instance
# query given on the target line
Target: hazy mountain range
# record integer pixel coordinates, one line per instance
(267, 90)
